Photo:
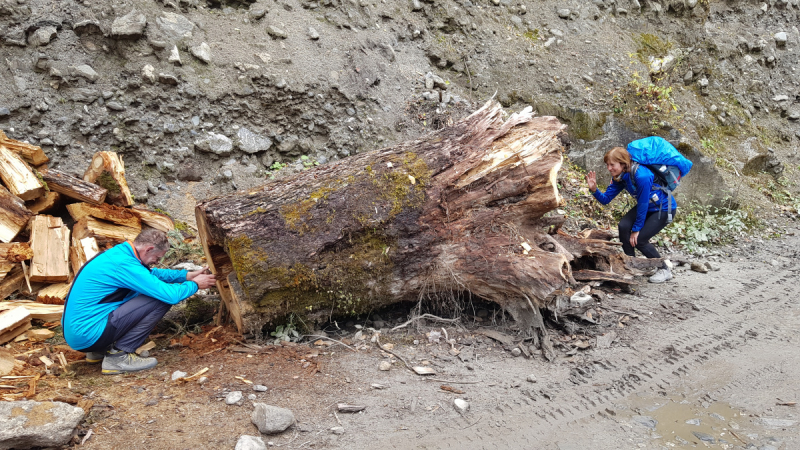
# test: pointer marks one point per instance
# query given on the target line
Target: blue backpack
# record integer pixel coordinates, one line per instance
(664, 160)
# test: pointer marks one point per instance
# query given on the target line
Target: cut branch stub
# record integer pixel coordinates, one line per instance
(445, 214)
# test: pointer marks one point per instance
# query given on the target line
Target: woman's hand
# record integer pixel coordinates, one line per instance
(634, 238)
(591, 180)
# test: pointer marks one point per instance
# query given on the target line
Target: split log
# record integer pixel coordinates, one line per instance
(104, 211)
(108, 171)
(18, 176)
(107, 234)
(45, 203)
(55, 294)
(436, 219)
(74, 187)
(13, 323)
(32, 154)
(50, 245)
(153, 219)
(14, 216)
(5, 268)
(15, 252)
(82, 250)
(38, 311)
(12, 282)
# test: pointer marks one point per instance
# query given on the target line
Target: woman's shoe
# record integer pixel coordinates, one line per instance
(661, 276)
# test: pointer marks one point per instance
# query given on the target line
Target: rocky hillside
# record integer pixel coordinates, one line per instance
(205, 97)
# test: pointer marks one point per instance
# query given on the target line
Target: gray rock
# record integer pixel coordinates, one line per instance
(88, 26)
(26, 424)
(699, 267)
(252, 397)
(5, 112)
(227, 174)
(271, 419)
(416, 5)
(218, 144)
(780, 98)
(175, 56)
(175, 26)
(42, 36)
(233, 397)
(645, 421)
(693, 422)
(705, 437)
(85, 95)
(257, 11)
(777, 423)
(436, 80)
(781, 38)
(461, 405)
(177, 374)
(148, 73)
(275, 32)
(202, 52)
(259, 388)
(85, 71)
(190, 172)
(250, 142)
(313, 34)
(115, 106)
(337, 430)
(794, 115)
(564, 13)
(168, 79)
(516, 351)
(250, 443)
(531, 378)
(130, 25)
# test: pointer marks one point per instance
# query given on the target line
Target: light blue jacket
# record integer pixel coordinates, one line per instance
(643, 193)
(109, 280)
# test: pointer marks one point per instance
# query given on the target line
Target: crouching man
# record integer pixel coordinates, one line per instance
(117, 299)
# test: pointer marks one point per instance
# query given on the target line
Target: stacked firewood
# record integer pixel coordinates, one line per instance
(51, 223)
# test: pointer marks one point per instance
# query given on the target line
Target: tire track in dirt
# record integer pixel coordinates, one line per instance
(687, 346)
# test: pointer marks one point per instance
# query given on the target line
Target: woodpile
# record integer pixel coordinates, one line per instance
(51, 224)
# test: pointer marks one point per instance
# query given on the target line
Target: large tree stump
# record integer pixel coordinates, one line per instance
(456, 213)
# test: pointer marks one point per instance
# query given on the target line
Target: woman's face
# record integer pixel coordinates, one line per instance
(614, 168)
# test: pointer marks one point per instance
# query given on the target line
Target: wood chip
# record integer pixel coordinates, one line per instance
(424, 370)
(146, 347)
(344, 407)
(451, 389)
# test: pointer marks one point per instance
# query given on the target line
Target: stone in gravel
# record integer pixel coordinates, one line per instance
(227, 174)
(148, 73)
(699, 267)
(5, 112)
(313, 34)
(26, 424)
(516, 351)
(257, 11)
(461, 405)
(780, 98)
(275, 32)
(438, 82)
(177, 374)
(85, 71)
(42, 36)
(218, 144)
(645, 421)
(175, 56)
(337, 430)
(233, 397)
(705, 437)
(605, 340)
(714, 267)
(168, 79)
(693, 422)
(202, 52)
(780, 38)
(202, 380)
(250, 142)
(777, 423)
(564, 13)
(115, 106)
(250, 443)
(153, 189)
(271, 419)
(531, 378)
(130, 25)
(251, 397)
(384, 365)
(580, 299)
(175, 26)
(259, 388)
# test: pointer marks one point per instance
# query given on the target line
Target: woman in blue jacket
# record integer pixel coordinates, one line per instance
(644, 220)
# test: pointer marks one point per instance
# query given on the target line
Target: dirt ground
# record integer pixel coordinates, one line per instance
(704, 361)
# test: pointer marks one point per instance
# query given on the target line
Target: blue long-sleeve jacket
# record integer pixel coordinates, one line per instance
(109, 280)
(643, 193)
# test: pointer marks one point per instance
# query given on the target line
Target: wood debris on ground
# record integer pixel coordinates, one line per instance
(40, 252)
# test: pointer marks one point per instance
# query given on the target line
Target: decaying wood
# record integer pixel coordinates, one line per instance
(74, 187)
(18, 176)
(435, 219)
(11, 282)
(153, 219)
(45, 203)
(54, 294)
(32, 154)
(13, 323)
(14, 216)
(50, 244)
(109, 213)
(81, 251)
(15, 252)
(40, 311)
(107, 234)
(108, 171)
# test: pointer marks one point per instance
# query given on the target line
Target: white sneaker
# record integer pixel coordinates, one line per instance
(661, 276)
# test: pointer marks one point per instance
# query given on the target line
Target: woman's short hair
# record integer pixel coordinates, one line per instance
(151, 236)
(618, 155)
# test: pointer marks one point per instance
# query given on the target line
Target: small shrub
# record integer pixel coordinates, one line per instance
(649, 45)
(697, 227)
(180, 249)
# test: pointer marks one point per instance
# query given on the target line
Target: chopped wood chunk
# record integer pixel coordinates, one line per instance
(54, 294)
(11, 283)
(82, 250)
(50, 243)
(45, 203)
(13, 323)
(15, 252)
(18, 176)
(153, 219)
(39, 334)
(108, 170)
(107, 234)
(47, 313)
(14, 216)
(104, 211)
(74, 187)
(32, 154)
(5, 267)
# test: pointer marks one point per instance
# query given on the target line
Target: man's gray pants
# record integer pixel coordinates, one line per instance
(129, 325)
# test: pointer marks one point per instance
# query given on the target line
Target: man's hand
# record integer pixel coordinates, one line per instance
(591, 180)
(634, 238)
(191, 275)
(204, 280)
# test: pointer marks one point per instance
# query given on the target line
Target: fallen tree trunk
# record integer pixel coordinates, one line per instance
(456, 213)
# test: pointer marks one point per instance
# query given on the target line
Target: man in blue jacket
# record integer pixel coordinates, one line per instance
(117, 299)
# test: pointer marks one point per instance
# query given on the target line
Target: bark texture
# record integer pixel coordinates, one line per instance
(458, 212)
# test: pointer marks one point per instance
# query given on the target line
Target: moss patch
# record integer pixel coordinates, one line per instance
(107, 182)
(403, 186)
(296, 215)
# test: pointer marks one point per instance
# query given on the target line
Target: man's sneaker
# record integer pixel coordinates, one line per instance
(661, 276)
(117, 362)
(95, 357)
